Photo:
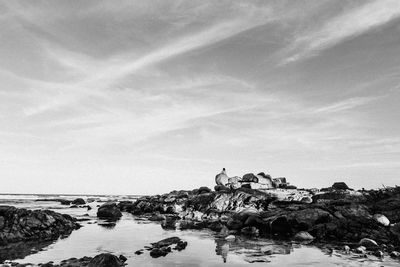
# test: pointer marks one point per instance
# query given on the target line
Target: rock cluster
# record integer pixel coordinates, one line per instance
(163, 247)
(23, 225)
(337, 215)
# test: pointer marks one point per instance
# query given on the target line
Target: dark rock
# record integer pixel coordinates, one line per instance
(234, 224)
(250, 177)
(105, 260)
(22, 225)
(139, 252)
(122, 258)
(158, 252)
(222, 189)
(109, 210)
(157, 217)
(78, 201)
(280, 226)
(203, 190)
(340, 186)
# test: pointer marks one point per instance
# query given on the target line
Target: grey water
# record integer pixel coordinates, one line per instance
(133, 233)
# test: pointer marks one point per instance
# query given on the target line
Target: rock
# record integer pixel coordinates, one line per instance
(346, 249)
(122, 258)
(250, 177)
(181, 245)
(158, 252)
(22, 225)
(222, 189)
(340, 186)
(382, 219)
(157, 217)
(307, 200)
(109, 210)
(361, 250)
(234, 224)
(280, 226)
(395, 254)
(378, 253)
(368, 243)
(250, 231)
(222, 178)
(303, 236)
(78, 201)
(203, 190)
(230, 238)
(162, 247)
(105, 260)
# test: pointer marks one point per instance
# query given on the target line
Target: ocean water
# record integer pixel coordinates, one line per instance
(132, 233)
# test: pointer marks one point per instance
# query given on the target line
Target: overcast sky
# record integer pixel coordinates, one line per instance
(141, 97)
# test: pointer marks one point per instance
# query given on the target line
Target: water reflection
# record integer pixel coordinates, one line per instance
(21, 249)
(251, 250)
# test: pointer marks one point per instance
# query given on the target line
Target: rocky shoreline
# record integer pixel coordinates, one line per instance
(356, 221)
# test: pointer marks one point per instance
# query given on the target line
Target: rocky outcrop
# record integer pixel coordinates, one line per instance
(109, 210)
(336, 215)
(26, 225)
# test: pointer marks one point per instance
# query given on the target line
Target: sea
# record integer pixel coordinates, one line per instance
(132, 233)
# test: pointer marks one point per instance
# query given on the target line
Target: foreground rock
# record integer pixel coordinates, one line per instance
(109, 210)
(26, 225)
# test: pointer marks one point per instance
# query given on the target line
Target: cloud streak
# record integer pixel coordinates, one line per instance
(347, 25)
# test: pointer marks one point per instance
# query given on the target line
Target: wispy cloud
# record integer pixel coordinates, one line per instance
(347, 25)
(346, 104)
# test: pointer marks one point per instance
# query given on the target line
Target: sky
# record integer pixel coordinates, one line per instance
(144, 97)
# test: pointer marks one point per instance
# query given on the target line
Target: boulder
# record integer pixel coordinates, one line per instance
(250, 177)
(22, 225)
(203, 190)
(340, 186)
(78, 201)
(303, 236)
(368, 243)
(381, 219)
(105, 260)
(109, 210)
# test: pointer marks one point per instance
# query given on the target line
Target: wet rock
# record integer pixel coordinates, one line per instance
(78, 201)
(139, 252)
(303, 236)
(22, 225)
(157, 217)
(381, 219)
(160, 252)
(368, 243)
(230, 238)
(395, 254)
(361, 250)
(163, 247)
(181, 245)
(250, 231)
(109, 210)
(105, 260)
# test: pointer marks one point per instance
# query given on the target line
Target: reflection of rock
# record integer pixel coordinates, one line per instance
(21, 249)
(101, 260)
(252, 251)
(108, 224)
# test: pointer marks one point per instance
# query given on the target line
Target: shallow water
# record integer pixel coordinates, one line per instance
(204, 249)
